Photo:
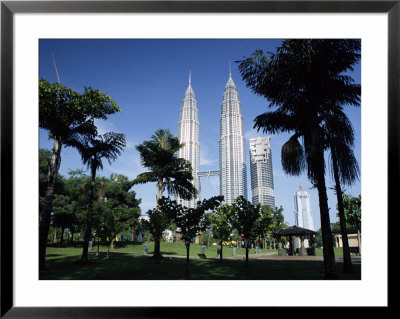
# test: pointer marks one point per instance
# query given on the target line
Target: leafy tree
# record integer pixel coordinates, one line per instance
(264, 223)
(305, 80)
(107, 223)
(139, 228)
(189, 221)
(63, 216)
(318, 238)
(74, 188)
(352, 210)
(118, 192)
(93, 150)
(68, 116)
(221, 224)
(278, 220)
(244, 219)
(157, 223)
(169, 172)
(116, 210)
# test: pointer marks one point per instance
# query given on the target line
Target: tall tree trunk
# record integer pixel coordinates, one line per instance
(48, 204)
(157, 252)
(327, 241)
(88, 230)
(62, 235)
(220, 252)
(187, 259)
(72, 236)
(316, 171)
(132, 232)
(247, 253)
(347, 266)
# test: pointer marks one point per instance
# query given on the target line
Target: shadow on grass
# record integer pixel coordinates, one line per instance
(125, 266)
(54, 255)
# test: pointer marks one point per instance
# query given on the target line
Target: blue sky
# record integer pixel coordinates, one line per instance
(148, 79)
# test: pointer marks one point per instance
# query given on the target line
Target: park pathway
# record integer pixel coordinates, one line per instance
(267, 256)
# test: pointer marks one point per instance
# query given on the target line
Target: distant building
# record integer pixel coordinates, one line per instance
(302, 210)
(353, 237)
(262, 182)
(232, 157)
(302, 214)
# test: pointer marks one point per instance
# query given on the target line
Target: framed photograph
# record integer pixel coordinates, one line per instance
(25, 28)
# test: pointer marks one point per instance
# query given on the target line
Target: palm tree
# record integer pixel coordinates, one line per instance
(344, 168)
(68, 116)
(168, 171)
(93, 150)
(303, 80)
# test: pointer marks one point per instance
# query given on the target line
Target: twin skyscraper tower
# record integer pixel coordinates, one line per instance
(232, 159)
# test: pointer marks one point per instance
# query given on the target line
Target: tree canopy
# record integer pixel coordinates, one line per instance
(68, 116)
(244, 219)
(352, 210)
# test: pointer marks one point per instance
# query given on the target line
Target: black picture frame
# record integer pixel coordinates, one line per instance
(9, 8)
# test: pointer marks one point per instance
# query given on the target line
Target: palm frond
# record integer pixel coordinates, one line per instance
(347, 164)
(274, 122)
(144, 178)
(292, 156)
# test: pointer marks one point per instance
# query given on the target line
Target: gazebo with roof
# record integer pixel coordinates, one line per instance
(294, 231)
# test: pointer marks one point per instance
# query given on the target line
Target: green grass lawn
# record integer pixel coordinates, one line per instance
(129, 263)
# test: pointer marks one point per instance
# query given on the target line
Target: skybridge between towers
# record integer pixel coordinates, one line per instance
(208, 174)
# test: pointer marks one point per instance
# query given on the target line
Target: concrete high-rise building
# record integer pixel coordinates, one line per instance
(262, 181)
(232, 158)
(188, 133)
(302, 210)
(302, 215)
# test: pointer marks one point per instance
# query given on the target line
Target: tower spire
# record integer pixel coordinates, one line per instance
(230, 71)
(190, 77)
(55, 67)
